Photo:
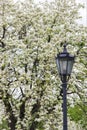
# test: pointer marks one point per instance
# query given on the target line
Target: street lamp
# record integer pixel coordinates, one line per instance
(64, 63)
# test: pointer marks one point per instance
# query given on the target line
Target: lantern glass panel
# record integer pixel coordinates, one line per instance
(63, 66)
(70, 66)
(58, 65)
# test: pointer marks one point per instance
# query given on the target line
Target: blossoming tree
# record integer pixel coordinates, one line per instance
(30, 37)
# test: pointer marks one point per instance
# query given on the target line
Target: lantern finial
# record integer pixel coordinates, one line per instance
(65, 49)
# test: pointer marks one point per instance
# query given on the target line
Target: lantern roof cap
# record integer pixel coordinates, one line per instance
(65, 53)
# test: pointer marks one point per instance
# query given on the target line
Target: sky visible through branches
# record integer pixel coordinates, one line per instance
(83, 11)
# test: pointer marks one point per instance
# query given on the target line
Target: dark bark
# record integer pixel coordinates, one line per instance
(36, 107)
(49, 38)
(2, 44)
(34, 113)
(22, 110)
(4, 32)
(22, 107)
(3, 36)
(12, 119)
(26, 69)
(33, 125)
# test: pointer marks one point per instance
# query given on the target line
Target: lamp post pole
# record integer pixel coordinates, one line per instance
(64, 63)
(64, 87)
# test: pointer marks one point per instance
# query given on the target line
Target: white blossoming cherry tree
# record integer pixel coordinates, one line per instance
(30, 37)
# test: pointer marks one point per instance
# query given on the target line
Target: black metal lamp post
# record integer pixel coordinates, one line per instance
(65, 63)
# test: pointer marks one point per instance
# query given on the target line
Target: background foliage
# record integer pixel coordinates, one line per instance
(30, 37)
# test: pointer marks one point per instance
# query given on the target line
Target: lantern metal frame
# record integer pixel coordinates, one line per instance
(65, 61)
